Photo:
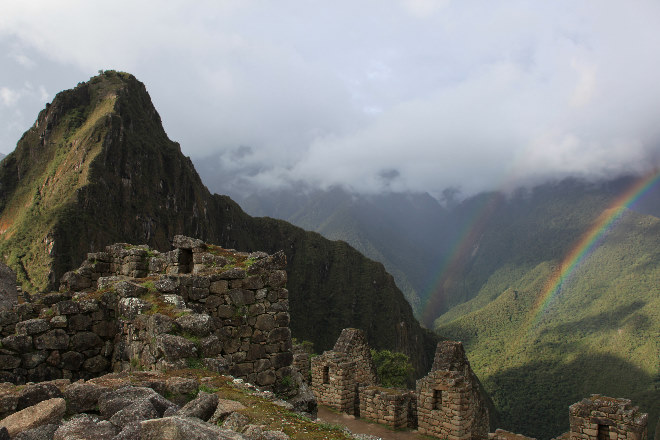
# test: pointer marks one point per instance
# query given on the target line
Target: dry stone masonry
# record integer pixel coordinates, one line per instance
(446, 404)
(133, 308)
(605, 418)
(449, 402)
(338, 374)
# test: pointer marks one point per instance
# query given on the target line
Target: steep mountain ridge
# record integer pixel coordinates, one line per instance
(98, 168)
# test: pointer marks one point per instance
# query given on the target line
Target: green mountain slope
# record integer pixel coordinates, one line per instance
(97, 168)
(599, 334)
(479, 268)
(397, 229)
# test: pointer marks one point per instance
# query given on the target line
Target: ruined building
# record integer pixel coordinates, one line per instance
(446, 404)
(449, 402)
(605, 418)
(133, 308)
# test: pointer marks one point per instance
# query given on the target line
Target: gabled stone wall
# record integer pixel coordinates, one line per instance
(449, 403)
(133, 308)
(606, 418)
(334, 383)
(338, 374)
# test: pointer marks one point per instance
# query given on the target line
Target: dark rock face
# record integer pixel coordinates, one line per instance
(8, 291)
(134, 185)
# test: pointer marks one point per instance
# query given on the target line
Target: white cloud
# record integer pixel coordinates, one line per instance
(469, 94)
(9, 97)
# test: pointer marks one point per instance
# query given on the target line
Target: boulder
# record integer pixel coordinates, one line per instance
(202, 407)
(127, 289)
(224, 408)
(83, 396)
(45, 432)
(182, 428)
(134, 413)
(113, 401)
(236, 421)
(47, 412)
(85, 427)
(34, 393)
(131, 307)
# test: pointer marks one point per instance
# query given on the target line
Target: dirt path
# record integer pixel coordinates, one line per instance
(359, 426)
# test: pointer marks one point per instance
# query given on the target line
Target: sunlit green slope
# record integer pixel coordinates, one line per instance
(600, 333)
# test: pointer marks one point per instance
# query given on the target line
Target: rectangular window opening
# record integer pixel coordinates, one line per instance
(437, 399)
(326, 374)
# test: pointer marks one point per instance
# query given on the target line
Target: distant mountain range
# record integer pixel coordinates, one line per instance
(475, 270)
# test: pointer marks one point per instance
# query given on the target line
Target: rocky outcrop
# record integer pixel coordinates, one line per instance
(132, 406)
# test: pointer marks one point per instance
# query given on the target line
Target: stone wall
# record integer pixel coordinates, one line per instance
(338, 374)
(353, 343)
(334, 383)
(70, 337)
(133, 308)
(394, 408)
(302, 361)
(449, 402)
(600, 417)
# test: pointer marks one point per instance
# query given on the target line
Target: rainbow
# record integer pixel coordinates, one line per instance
(588, 242)
(460, 252)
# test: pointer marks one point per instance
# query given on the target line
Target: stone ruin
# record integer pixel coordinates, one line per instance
(337, 375)
(446, 404)
(606, 418)
(133, 308)
(449, 402)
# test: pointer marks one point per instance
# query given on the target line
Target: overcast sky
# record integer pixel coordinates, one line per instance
(373, 94)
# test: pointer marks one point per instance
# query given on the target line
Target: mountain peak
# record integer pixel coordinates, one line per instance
(98, 168)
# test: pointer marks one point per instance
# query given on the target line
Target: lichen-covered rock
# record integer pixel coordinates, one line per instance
(31, 327)
(34, 393)
(198, 324)
(85, 427)
(202, 407)
(83, 396)
(236, 421)
(45, 432)
(224, 408)
(113, 401)
(126, 289)
(175, 347)
(182, 428)
(47, 412)
(138, 411)
(131, 307)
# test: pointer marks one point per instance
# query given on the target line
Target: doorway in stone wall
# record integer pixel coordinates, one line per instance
(603, 432)
(185, 260)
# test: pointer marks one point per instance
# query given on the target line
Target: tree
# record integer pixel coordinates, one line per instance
(393, 368)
